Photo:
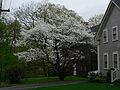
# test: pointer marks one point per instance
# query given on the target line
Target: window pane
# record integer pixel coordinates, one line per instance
(105, 36)
(114, 36)
(105, 61)
(114, 30)
(114, 33)
(115, 60)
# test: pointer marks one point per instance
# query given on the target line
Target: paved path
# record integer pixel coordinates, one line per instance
(29, 86)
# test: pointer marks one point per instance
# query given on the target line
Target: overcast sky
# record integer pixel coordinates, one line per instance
(85, 8)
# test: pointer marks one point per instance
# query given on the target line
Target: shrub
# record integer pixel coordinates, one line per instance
(14, 74)
(100, 78)
(92, 77)
(96, 77)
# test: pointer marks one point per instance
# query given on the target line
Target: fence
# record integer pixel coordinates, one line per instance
(114, 75)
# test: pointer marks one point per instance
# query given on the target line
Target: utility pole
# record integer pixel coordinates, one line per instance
(1, 10)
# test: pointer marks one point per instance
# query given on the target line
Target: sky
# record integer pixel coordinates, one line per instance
(85, 8)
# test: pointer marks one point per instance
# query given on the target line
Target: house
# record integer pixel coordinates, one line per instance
(108, 39)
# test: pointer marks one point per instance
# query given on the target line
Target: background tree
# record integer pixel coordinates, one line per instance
(14, 29)
(7, 58)
(27, 15)
(95, 20)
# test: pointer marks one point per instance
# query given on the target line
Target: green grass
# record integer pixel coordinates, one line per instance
(82, 86)
(31, 81)
(35, 80)
(75, 78)
(47, 79)
(38, 80)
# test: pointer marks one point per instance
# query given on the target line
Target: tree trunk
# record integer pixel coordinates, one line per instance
(61, 77)
(44, 66)
(44, 70)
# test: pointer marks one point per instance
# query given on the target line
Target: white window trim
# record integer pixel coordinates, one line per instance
(107, 61)
(117, 59)
(106, 35)
(116, 33)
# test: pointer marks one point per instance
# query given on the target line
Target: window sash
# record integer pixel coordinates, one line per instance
(115, 60)
(105, 35)
(114, 33)
(105, 61)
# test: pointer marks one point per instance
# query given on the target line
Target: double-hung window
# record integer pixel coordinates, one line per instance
(105, 36)
(114, 33)
(105, 61)
(115, 60)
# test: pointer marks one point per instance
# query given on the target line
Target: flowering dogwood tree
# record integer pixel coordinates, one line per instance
(52, 38)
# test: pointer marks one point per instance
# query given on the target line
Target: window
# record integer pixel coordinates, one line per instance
(105, 36)
(105, 59)
(115, 60)
(114, 33)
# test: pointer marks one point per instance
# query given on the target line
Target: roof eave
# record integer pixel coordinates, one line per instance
(97, 36)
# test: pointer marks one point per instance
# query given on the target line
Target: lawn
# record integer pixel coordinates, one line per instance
(35, 80)
(38, 80)
(83, 86)
(48, 79)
